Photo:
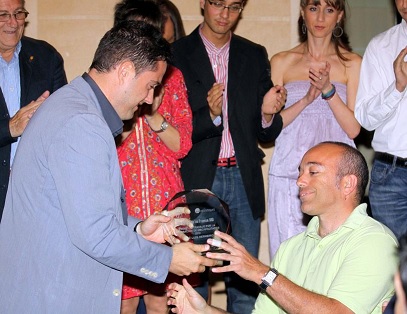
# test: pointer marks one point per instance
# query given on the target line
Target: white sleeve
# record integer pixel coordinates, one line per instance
(377, 100)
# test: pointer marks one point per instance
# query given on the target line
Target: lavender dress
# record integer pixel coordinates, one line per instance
(315, 124)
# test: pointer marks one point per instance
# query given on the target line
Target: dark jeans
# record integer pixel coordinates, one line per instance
(388, 196)
(228, 185)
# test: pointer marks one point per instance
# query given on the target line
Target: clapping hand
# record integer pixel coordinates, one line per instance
(400, 70)
(215, 99)
(274, 100)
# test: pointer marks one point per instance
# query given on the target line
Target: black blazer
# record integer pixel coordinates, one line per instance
(248, 81)
(41, 69)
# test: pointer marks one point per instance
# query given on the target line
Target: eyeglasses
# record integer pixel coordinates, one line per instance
(234, 8)
(19, 15)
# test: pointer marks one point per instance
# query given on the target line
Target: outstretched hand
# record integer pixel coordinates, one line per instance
(162, 227)
(241, 262)
(187, 259)
(186, 300)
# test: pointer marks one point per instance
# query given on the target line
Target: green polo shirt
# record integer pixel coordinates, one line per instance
(354, 264)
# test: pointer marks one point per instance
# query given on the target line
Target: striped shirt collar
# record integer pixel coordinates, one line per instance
(210, 47)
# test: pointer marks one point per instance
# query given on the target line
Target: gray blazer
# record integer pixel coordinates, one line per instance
(63, 244)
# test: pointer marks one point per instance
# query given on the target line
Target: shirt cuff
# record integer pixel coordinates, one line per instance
(264, 123)
(395, 94)
(217, 121)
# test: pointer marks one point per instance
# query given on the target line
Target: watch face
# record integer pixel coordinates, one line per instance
(164, 125)
(270, 277)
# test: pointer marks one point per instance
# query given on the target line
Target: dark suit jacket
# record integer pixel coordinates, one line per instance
(249, 79)
(41, 69)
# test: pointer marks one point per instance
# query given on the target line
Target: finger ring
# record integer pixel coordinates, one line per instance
(216, 242)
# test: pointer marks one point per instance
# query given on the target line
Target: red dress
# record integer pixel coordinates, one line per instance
(150, 170)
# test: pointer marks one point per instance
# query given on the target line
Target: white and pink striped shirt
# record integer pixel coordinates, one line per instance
(219, 58)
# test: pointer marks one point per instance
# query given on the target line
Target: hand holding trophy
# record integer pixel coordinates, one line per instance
(162, 226)
(172, 230)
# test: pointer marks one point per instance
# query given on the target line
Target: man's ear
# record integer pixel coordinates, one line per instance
(125, 70)
(349, 184)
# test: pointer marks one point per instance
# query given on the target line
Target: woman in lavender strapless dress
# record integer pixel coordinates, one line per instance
(314, 111)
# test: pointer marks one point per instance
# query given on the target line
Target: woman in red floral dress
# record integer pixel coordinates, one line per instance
(149, 159)
(149, 153)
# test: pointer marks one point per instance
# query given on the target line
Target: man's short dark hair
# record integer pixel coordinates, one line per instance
(352, 162)
(136, 41)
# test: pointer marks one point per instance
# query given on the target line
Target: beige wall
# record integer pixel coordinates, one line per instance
(75, 27)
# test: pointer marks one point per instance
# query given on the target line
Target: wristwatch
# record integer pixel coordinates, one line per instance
(268, 279)
(163, 127)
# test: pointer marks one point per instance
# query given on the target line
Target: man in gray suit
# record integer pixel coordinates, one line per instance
(65, 237)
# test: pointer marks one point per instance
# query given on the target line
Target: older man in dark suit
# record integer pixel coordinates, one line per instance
(30, 70)
(234, 106)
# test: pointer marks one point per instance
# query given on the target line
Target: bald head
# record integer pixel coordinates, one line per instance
(350, 162)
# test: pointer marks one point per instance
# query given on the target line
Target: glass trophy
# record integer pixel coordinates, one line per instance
(208, 214)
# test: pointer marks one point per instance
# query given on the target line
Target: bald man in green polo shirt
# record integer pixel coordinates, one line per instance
(343, 263)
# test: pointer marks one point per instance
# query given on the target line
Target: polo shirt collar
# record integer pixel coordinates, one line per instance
(353, 221)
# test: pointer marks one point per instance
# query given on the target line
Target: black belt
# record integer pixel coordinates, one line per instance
(389, 159)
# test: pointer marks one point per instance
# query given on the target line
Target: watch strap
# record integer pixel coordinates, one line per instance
(135, 227)
(163, 127)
